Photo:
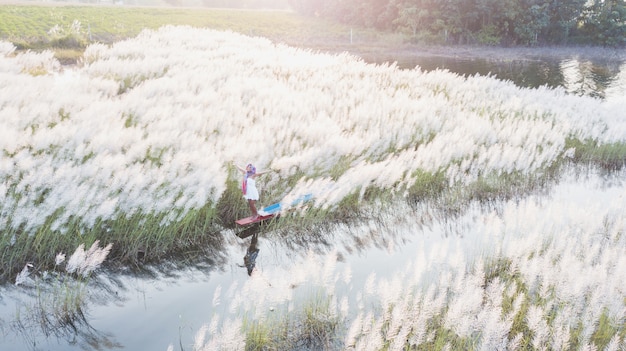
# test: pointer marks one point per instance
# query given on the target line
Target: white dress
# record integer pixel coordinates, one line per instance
(251, 191)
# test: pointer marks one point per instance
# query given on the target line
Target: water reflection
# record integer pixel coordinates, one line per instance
(617, 89)
(77, 331)
(169, 303)
(249, 260)
(584, 77)
(601, 78)
(54, 312)
(57, 312)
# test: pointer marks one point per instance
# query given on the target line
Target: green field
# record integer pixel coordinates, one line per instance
(69, 29)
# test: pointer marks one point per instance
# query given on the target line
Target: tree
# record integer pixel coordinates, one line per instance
(371, 12)
(564, 16)
(308, 7)
(408, 18)
(459, 20)
(605, 22)
(531, 21)
(514, 22)
(417, 15)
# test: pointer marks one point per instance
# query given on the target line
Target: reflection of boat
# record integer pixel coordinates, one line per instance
(274, 210)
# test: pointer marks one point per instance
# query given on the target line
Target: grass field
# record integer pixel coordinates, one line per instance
(67, 30)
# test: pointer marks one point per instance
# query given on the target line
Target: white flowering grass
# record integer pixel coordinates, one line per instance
(85, 262)
(137, 141)
(60, 296)
(546, 273)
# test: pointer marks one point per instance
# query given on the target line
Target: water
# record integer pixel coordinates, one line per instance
(603, 78)
(167, 305)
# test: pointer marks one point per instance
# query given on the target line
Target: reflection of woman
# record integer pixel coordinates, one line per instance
(248, 187)
(249, 260)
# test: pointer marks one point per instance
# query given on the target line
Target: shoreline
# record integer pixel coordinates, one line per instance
(470, 52)
(307, 33)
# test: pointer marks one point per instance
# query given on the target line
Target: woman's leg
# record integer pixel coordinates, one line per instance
(252, 204)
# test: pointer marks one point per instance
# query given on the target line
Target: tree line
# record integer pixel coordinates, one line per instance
(487, 22)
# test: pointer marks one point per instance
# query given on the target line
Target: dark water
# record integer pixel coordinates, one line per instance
(600, 78)
(168, 304)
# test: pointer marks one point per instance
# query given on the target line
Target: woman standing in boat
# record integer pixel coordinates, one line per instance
(248, 186)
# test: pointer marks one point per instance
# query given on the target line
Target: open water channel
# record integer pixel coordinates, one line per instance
(166, 305)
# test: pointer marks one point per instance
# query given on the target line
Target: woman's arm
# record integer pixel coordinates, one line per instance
(242, 170)
(262, 172)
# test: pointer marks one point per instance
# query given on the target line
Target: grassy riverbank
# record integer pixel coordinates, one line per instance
(68, 29)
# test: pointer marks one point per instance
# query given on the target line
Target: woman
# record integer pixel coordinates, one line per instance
(248, 187)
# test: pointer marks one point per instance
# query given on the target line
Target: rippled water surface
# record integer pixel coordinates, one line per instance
(167, 305)
(602, 78)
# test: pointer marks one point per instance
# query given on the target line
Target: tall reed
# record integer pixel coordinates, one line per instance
(134, 145)
(61, 295)
(542, 272)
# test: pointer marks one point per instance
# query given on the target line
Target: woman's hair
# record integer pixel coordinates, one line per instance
(251, 170)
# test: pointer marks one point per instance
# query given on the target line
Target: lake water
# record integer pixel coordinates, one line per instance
(167, 305)
(599, 77)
